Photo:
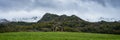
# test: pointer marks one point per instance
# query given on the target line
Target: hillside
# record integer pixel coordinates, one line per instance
(53, 17)
(62, 23)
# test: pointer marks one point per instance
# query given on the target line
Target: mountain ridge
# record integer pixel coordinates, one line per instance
(55, 17)
(50, 17)
(63, 23)
(38, 19)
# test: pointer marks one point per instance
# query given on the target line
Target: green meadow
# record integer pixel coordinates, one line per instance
(57, 36)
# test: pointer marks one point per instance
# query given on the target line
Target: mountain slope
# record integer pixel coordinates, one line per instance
(48, 17)
(64, 23)
(53, 17)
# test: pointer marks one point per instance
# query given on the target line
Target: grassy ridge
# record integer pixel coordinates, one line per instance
(56, 36)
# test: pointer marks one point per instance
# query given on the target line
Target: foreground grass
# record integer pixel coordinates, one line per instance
(56, 36)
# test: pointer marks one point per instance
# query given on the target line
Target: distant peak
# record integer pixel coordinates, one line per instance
(4, 21)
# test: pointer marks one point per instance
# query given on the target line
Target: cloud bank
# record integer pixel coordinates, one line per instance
(90, 10)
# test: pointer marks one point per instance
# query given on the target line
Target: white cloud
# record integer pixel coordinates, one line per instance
(91, 10)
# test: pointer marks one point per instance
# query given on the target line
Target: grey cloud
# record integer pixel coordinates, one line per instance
(7, 5)
(55, 4)
(27, 4)
(86, 9)
(113, 3)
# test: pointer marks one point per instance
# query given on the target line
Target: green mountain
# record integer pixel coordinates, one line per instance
(53, 17)
(62, 23)
(48, 17)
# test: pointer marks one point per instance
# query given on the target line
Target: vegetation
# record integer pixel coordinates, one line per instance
(63, 23)
(56, 36)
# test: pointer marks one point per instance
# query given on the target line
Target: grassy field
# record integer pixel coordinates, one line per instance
(56, 36)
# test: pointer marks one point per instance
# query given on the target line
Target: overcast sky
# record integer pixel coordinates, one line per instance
(85, 9)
